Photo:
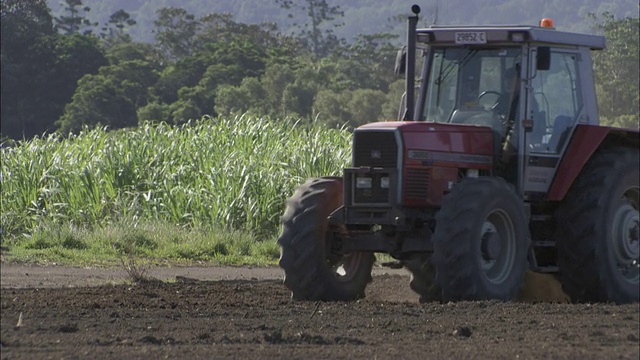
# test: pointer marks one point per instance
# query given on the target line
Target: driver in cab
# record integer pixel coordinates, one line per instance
(507, 105)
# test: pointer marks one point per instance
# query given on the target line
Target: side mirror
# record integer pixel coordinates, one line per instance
(543, 58)
(401, 62)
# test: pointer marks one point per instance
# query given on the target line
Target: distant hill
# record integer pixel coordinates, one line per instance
(371, 16)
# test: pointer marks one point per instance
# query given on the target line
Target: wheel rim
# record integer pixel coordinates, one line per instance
(497, 247)
(343, 267)
(347, 266)
(625, 236)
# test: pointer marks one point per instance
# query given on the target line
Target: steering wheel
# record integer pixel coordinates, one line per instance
(490, 92)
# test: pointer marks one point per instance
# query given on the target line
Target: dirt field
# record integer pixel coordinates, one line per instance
(56, 312)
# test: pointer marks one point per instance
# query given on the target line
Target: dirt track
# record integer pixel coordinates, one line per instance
(247, 313)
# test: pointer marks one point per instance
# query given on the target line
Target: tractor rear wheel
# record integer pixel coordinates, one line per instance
(311, 271)
(481, 241)
(598, 230)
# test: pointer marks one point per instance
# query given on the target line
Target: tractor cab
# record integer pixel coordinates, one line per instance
(530, 84)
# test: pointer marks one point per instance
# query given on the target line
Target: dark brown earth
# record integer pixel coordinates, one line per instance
(58, 312)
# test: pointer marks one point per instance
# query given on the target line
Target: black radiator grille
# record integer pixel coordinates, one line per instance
(375, 149)
(417, 183)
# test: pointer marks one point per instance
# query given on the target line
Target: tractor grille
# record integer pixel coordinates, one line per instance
(417, 184)
(375, 195)
(375, 149)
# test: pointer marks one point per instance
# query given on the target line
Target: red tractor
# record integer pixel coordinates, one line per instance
(497, 166)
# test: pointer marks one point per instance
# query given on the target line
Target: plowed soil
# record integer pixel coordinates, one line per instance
(55, 313)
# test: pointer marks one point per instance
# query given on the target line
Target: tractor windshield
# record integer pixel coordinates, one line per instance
(473, 86)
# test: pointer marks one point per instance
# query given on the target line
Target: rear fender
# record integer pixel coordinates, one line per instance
(584, 143)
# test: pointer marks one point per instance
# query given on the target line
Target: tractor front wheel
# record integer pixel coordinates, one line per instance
(481, 241)
(312, 272)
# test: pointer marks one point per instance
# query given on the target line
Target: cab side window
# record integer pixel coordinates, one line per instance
(557, 92)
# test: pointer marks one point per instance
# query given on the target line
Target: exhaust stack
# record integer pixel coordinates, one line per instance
(410, 66)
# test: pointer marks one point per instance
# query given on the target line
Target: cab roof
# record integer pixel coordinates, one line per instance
(438, 34)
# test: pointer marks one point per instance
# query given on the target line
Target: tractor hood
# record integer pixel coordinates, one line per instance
(438, 144)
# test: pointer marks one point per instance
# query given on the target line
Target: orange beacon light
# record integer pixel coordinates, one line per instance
(546, 23)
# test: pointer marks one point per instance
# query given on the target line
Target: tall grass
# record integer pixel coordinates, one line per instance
(218, 173)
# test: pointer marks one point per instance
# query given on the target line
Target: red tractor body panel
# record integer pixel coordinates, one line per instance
(433, 155)
(586, 139)
(465, 141)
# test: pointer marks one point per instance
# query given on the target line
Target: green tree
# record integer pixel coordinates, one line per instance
(320, 40)
(298, 96)
(109, 98)
(120, 20)
(216, 64)
(198, 95)
(185, 72)
(222, 54)
(616, 70)
(115, 30)
(230, 62)
(76, 55)
(368, 62)
(127, 51)
(175, 32)
(365, 106)
(331, 107)
(97, 101)
(274, 81)
(134, 77)
(230, 100)
(391, 106)
(349, 108)
(23, 20)
(154, 112)
(249, 96)
(183, 111)
(24, 25)
(40, 68)
(220, 28)
(297, 99)
(74, 21)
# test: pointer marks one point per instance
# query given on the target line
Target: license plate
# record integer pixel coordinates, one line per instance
(471, 37)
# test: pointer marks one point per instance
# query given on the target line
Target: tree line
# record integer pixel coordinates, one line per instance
(368, 16)
(65, 72)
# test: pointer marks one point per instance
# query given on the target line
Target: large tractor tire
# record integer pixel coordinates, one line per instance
(311, 271)
(598, 230)
(423, 278)
(481, 241)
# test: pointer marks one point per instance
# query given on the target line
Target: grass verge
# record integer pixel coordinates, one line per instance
(152, 243)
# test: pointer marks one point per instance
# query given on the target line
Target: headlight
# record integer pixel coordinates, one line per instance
(384, 182)
(363, 183)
